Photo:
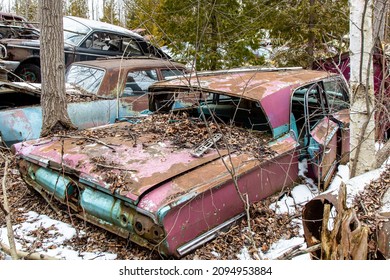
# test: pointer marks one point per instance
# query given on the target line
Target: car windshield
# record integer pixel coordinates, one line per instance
(74, 32)
(86, 78)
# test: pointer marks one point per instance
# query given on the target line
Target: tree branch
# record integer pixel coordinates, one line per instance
(10, 232)
(25, 255)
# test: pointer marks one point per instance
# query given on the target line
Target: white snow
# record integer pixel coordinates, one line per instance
(52, 244)
(302, 193)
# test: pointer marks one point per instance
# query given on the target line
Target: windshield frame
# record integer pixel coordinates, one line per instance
(80, 32)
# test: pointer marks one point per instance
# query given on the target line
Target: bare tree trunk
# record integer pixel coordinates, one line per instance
(53, 100)
(362, 87)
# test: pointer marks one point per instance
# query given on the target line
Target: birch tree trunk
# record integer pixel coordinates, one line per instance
(53, 99)
(362, 114)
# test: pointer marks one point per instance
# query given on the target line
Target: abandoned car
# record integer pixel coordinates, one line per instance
(98, 92)
(84, 40)
(171, 180)
(14, 26)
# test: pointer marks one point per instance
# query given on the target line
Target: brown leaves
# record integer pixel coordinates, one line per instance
(367, 205)
(185, 132)
(267, 228)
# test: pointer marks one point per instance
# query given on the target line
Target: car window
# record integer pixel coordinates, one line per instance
(307, 108)
(138, 82)
(74, 32)
(103, 41)
(86, 78)
(171, 72)
(130, 47)
(337, 94)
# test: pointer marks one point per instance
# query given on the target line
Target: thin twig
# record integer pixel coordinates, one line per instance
(10, 232)
(86, 138)
(296, 251)
(116, 167)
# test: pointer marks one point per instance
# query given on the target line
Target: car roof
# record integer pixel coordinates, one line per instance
(272, 88)
(132, 62)
(254, 84)
(104, 26)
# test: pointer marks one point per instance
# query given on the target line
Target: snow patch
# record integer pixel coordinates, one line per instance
(47, 236)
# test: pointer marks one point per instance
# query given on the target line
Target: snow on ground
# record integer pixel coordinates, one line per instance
(302, 193)
(52, 235)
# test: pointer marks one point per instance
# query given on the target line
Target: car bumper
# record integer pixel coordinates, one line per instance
(9, 65)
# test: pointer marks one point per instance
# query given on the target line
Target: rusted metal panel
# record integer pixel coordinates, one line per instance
(204, 210)
(26, 123)
(383, 229)
(253, 85)
(343, 117)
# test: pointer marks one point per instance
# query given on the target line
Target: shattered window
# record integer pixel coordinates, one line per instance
(130, 47)
(138, 82)
(86, 78)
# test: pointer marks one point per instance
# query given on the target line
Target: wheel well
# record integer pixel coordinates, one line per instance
(31, 60)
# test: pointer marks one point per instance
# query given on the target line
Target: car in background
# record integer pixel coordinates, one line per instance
(173, 179)
(99, 92)
(381, 70)
(84, 39)
(15, 20)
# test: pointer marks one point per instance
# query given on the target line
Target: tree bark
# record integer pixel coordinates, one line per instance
(53, 99)
(362, 125)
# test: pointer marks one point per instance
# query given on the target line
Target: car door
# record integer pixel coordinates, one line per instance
(322, 143)
(337, 96)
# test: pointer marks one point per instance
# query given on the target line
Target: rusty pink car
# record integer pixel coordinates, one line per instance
(172, 180)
